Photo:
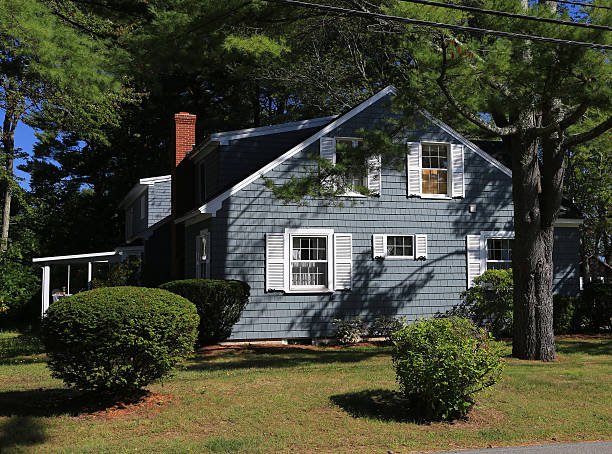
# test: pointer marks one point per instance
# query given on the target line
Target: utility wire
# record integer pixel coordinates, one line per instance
(512, 15)
(587, 5)
(405, 20)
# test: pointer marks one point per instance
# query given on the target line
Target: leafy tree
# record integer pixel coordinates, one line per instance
(589, 184)
(51, 70)
(534, 96)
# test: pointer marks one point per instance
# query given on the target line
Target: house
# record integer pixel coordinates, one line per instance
(408, 250)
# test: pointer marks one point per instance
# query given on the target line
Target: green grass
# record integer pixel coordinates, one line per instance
(262, 400)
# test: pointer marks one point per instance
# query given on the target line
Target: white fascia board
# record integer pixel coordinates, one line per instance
(466, 142)
(213, 205)
(567, 222)
(154, 180)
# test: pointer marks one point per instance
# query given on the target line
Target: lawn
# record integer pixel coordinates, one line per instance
(301, 400)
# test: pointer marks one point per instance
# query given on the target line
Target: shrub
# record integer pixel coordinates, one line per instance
(118, 339)
(564, 308)
(489, 302)
(595, 308)
(442, 363)
(219, 304)
(350, 331)
(386, 326)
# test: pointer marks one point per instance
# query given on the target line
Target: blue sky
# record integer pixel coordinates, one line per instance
(24, 139)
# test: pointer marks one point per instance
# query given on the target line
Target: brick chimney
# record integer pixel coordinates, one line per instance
(185, 135)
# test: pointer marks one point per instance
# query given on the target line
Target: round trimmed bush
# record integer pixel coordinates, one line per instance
(219, 303)
(442, 363)
(118, 339)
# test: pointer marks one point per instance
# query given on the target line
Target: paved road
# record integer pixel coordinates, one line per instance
(598, 447)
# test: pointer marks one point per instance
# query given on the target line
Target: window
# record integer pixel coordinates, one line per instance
(203, 255)
(434, 165)
(309, 262)
(499, 253)
(400, 246)
(345, 157)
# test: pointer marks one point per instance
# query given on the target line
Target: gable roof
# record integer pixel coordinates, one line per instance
(139, 188)
(213, 205)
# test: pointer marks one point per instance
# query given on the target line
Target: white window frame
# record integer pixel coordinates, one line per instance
(324, 233)
(449, 172)
(491, 235)
(399, 257)
(202, 257)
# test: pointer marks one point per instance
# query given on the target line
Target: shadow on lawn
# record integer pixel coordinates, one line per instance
(601, 347)
(21, 431)
(277, 357)
(381, 404)
(59, 401)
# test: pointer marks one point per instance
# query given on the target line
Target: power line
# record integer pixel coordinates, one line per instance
(481, 31)
(587, 5)
(512, 15)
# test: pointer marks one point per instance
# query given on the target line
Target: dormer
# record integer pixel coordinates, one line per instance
(145, 205)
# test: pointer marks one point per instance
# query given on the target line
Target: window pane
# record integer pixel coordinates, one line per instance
(399, 246)
(309, 273)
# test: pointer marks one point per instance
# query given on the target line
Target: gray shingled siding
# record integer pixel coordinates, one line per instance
(159, 202)
(391, 287)
(566, 259)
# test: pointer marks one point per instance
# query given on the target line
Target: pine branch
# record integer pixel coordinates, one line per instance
(505, 131)
(576, 139)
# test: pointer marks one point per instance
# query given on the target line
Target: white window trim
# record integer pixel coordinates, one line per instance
(486, 235)
(198, 271)
(399, 257)
(329, 235)
(449, 172)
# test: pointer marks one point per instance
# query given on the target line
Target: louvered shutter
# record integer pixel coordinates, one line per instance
(457, 170)
(473, 258)
(275, 261)
(378, 246)
(343, 260)
(327, 149)
(420, 249)
(413, 166)
(374, 174)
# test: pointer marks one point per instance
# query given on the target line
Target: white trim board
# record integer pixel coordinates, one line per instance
(215, 204)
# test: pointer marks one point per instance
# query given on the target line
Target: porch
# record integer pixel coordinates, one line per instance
(79, 269)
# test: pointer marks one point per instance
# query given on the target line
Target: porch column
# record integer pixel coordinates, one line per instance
(68, 283)
(46, 289)
(89, 275)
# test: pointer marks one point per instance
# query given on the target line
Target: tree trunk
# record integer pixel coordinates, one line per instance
(533, 336)
(8, 145)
